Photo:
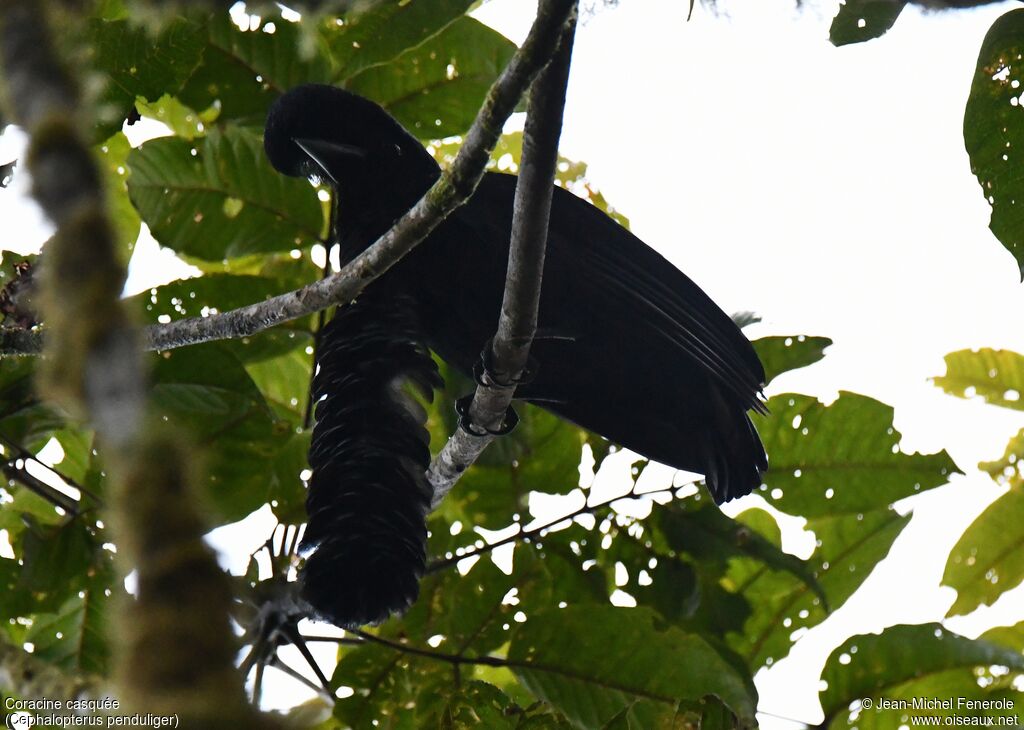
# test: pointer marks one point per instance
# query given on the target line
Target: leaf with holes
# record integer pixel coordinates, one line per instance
(134, 64)
(841, 458)
(911, 662)
(592, 662)
(988, 559)
(994, 129)
(243, 71)
(74, 637)
(997, 376)
(781, 354)
(861, 20)
(375, 34)
(436, 89)
(701, 530)
(223, 201)
(849, 547)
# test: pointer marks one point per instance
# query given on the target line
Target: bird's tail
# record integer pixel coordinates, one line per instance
(368, 495)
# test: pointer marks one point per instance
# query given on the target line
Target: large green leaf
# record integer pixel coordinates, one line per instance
(207, 393)
(780, 354)
(905, 663)
(841, 458)
(707, 534)
(862, 20)
(849, 547)
(284, 381)
(243, 71)
(75, 636)
(997, 376)
(55, 563)
(994, 129)
(436, 89)
(592, 662)
(136, 64)
(988, 559)
(218, 197)
(374, 34)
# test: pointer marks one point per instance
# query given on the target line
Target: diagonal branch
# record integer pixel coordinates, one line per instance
(506, 358)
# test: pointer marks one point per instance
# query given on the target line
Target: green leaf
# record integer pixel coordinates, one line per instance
(707, 534)
(135, 64)
(996, 376)
(849, 547)
(182, 120)
(243, 71)
(476, 705)
(781, 354)
(57, 559)
(988, 559)
(467, 610)
(284, 382)
(378, 33)
(906, 662)
(994, 130)
(861, 20)
(207, 393)
(591, 662)
(436, 89)
(224, 201)
(74, 637)
(391, 688)
(841, 458)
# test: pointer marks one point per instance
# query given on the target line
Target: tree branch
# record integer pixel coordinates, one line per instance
(508, 356)
(527, 535)
(490, 661)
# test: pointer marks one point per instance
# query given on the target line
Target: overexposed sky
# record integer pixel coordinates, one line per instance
(826, 189)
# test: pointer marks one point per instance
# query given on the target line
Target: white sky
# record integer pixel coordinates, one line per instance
(826, 189)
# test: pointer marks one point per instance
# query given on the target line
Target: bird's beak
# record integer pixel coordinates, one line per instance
(330, 157)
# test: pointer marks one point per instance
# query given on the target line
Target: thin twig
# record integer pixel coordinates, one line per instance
(489, 661)
(276, 663)
(510, 350)
(527, 535)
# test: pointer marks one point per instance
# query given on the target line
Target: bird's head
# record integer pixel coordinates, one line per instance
(345, 140)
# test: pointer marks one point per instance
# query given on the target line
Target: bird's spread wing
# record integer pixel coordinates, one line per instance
(659, 299)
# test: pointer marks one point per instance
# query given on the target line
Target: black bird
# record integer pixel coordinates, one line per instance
(642, 355)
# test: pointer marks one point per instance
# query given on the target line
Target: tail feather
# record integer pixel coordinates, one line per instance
(368, 496)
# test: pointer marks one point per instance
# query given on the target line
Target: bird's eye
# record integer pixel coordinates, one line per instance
(398, 150)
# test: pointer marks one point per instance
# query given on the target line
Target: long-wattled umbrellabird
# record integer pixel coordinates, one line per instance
(641, 355)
